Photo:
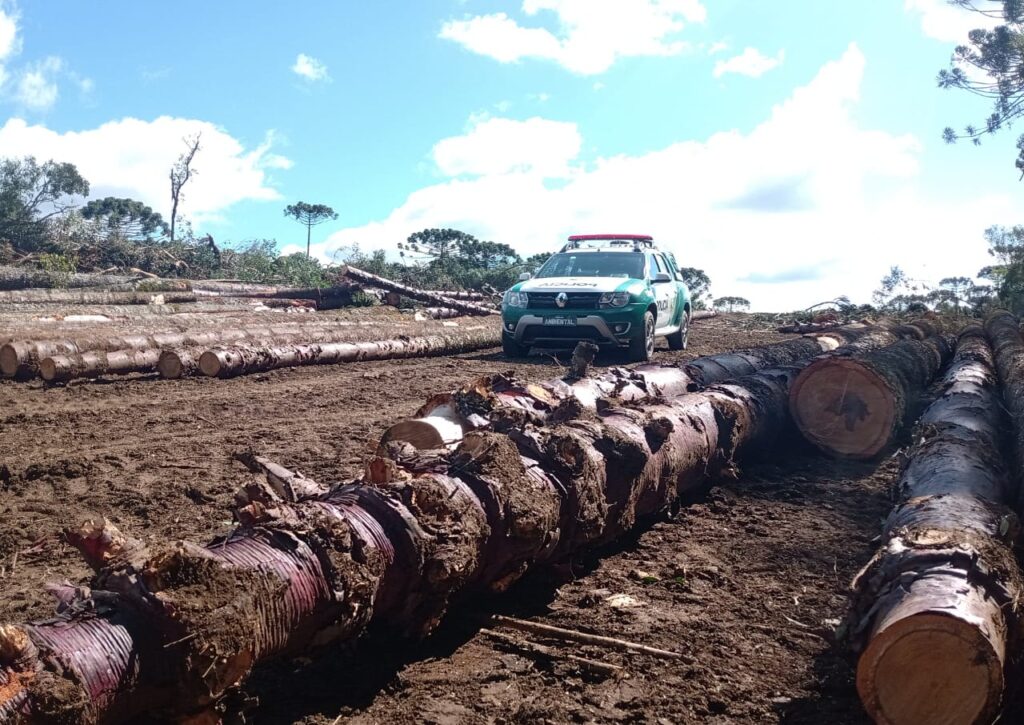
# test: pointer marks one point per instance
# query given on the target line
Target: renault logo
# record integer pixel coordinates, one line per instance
(561, 299)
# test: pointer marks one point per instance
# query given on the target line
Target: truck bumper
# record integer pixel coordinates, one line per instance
(531, 330)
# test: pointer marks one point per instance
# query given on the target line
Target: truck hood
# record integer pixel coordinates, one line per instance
(580, 284)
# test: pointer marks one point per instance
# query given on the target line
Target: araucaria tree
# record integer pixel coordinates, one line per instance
(310, 215)
(181, 172)
(989, 65)
(732, 303)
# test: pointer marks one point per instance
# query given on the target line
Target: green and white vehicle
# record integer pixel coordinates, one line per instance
(617, 290)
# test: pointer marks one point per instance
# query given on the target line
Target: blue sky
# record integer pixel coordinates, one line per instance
(791, 149)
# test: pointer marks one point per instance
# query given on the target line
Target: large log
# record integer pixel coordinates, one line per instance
(435, 300)
(444, 418)
(932, 613)
(167, 631)
(19, 278)
(20, 358)
(245, 359)
(325, 298)
(1008, 347)
(853, 406)
(93, 297)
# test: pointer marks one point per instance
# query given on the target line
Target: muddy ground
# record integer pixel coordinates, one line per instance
(747, 578)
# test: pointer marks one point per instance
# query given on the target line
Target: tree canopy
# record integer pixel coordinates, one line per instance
(33, 193)
(310, 215)
(125, 218)
(732, 303)
(700, 286)
(990, 65)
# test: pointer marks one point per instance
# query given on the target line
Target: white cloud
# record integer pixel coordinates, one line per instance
(131, 157)
(495, 146)
(807, 206)
(718, 47)
(945, 22)
(751, 62)
(8, 34)
(37, 87)
(310, 68)
(591, 35)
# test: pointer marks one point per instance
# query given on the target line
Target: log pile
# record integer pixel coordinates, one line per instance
(935, 611)
(167, 630)
(93, 297)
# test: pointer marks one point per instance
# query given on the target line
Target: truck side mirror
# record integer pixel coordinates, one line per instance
(525, 276)
(660, 277)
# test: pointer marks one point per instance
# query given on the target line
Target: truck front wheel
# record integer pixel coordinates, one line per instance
(641, 347)
(679, 339)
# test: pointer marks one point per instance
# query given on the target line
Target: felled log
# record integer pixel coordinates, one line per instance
(1008, 347)
(93, 297)
(325, 298)
(444, 418)
(436, 313)
(20, 278)
(372, 280)
(168, 630)
(95, 363)
(932, 613)
(853, 406)
(703, 314)
(246, 359)
(20, 358)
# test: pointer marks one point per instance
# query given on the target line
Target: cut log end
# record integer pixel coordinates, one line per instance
(930, 668)
(210, 363)
(9, 359)
(50, 371)
(844, 408)
(169, 365)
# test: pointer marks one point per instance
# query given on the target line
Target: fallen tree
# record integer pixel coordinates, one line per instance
(372, 280)
(325, 298)
(932, 614)
(853, 406)
(166, 630)
(20, 278)
(246, 359)
(444, 418)
(21, 358)
(93, 297)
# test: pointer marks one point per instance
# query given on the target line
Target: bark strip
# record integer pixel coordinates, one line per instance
(935, 612)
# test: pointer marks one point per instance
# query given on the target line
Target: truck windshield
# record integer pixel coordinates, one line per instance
(627, 265)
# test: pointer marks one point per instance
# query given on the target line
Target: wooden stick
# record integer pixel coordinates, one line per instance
(585, 638)
(534, 649)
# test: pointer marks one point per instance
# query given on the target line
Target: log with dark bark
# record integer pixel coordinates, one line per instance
(933, 613)
(853, 406)
(325, 298)
(435, 300)
(245, 359)
(93, 297)
(444, 418)
(1004, 331)
(164, 631)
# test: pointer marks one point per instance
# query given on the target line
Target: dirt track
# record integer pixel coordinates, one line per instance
(745, 579)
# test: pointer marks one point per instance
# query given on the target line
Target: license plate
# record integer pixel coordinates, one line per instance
(560, 321)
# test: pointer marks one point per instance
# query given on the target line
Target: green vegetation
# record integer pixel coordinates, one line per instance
(732, 304)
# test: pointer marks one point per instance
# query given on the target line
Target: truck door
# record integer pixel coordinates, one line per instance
(665, 295)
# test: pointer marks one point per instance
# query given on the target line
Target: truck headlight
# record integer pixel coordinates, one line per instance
(613, 299)
(516, 299)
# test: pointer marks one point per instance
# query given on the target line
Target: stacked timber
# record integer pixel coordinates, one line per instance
(935, 611)
(93, 297)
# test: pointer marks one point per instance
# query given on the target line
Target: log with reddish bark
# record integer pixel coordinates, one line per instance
(853, 406)
(444, 418)
(165, 630)
(933, 613)
(435, 300)
(93, 297)
(246, 359)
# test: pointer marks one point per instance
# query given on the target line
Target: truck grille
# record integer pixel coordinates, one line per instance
(576, 301)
